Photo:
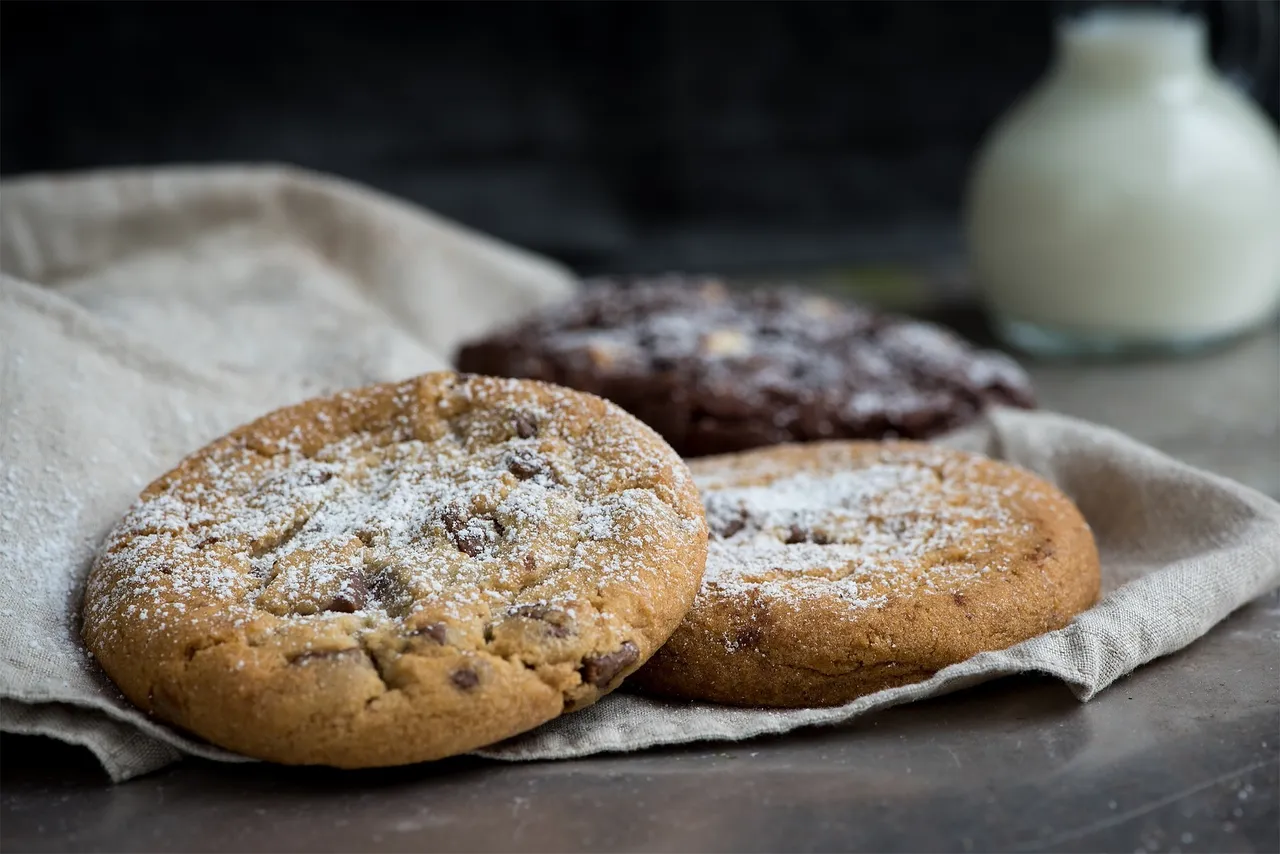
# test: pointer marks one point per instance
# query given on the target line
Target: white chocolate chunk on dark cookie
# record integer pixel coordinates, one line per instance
(398, 573)
(837, 569)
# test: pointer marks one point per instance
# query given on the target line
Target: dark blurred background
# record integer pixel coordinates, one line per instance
(613, 136)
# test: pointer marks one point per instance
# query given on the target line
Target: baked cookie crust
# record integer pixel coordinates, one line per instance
(839, 569)
(398, 573)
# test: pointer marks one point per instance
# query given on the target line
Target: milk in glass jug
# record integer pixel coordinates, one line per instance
(1131, 201)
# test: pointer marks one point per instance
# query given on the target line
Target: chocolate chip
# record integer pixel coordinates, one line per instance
(556, 623)
(437, 632)
(470, 541)
(747, 637)
(308, 657)
(383, 580)
(733, 526)
(315, 478)
(753, 626)
(821, 538)
(465, 679)
(600, 670)
(353, 595)
(797, 535)
(959, 599)
(453, 517)
(524, 464)
(469, 538)
(526, 426)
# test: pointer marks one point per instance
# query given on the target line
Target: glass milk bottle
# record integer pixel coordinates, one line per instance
(1131, 202)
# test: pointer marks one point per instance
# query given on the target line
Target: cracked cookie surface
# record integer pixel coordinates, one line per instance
(839, 569)
(398, 573)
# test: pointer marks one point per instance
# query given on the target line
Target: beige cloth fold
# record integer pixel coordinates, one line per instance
(144, 313)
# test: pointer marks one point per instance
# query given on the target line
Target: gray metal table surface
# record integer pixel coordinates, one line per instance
(1183, 755)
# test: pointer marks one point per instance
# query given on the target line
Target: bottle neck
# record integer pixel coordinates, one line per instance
(1119, 48)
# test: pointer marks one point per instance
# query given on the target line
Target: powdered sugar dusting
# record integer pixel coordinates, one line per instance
(716, 369)
(876, 529)
(380, 525)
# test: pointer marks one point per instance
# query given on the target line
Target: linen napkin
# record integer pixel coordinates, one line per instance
(144, 313)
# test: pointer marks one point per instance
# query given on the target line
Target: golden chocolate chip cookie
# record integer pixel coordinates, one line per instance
(398, 573)
(838, 569)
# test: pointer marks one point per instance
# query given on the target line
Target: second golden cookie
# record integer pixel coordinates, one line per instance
(839, 569)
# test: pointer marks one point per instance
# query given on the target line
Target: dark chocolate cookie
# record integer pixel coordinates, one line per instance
(716, 371)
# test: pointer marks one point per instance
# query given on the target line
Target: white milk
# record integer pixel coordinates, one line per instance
(1131, 199)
